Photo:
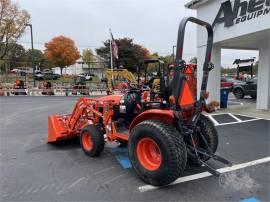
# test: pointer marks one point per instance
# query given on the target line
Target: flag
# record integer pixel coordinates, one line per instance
(115, 49)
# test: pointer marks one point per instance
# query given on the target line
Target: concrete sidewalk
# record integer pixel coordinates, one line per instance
(248, 110)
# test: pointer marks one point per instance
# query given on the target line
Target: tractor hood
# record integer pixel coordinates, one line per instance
(115, 98)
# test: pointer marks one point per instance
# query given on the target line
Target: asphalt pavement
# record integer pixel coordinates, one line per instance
(31, 170)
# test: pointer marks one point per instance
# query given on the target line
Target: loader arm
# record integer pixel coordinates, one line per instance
(85, 112)
(82, 108)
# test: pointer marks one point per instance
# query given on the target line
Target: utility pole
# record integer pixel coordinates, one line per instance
(32, 55)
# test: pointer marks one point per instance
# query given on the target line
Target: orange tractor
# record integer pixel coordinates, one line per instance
(19, 88)
(163, 134)
(47, 88)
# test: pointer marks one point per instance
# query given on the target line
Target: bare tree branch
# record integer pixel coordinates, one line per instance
(12, 25)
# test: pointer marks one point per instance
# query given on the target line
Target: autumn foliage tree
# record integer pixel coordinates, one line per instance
(130, 53)
(61, 52)
(12, 25)
(88, 56)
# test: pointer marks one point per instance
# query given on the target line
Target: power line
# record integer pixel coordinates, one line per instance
(96, 46)
(41, 43)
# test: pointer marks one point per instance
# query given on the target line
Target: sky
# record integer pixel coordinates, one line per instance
(151, 23)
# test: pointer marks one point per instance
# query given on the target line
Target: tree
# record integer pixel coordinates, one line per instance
(61, 51)
(129, 53)
(88, 56)
(168, 59)
(14, 58)
(38, 57)
(12, 25)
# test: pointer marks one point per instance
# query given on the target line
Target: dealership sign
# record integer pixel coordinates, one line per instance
(241, 11)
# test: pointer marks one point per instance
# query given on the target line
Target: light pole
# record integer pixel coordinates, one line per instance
(32, 55)
(174, 46)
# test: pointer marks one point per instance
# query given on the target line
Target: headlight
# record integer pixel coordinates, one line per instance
(122, 100)
(122, 109)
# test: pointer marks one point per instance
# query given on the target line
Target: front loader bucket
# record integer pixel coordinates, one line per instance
(57, 128)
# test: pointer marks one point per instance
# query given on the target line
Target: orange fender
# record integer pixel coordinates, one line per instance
(153, 114)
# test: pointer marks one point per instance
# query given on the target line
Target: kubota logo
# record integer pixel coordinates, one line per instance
(241, 11)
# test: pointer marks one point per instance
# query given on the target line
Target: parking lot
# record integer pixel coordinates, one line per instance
(32, 170)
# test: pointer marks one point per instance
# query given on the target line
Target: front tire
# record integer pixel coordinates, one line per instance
(238, 93)
(157, 152)
(92, 140)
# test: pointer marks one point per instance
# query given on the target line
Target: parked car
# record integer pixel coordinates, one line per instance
(235, 81)
(47, 76)
(22, 72)
(225, 83)
(39, 75)
(249, 87)
(15, 71)
(46, 71)
(87, 76)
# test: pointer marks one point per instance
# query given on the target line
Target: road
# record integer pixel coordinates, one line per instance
(32, 170)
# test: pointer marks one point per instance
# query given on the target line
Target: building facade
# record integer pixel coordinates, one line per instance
(237, 24)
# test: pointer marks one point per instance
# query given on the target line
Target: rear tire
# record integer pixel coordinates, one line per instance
(238, 93)
(167, 156)
(210, 134)
(92, 140)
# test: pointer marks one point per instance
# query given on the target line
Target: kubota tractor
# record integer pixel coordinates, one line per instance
(47, 88)
(80, 86)
(2, 92)
(162, 135)
(151, 79)
(19, 88)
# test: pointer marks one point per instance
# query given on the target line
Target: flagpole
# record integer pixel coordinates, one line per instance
(111, 51)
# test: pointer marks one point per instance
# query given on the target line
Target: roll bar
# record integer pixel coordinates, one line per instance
(181, 37)
(179, 63)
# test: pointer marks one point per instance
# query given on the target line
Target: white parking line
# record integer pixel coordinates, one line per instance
(207, 174)
(230, 123)
(216, 123)
(216, 113)
(252, 116)
(213, 120)
(237, 119)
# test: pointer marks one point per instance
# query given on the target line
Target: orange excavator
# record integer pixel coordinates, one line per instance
(163, 134)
